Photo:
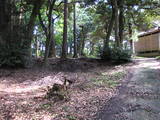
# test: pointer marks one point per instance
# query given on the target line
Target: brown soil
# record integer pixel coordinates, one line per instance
(23, 91)
(139, 96)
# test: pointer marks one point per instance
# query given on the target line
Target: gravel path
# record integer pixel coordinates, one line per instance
(139, 97)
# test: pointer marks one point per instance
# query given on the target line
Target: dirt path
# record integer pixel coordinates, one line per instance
(23, 91)
(139, 98)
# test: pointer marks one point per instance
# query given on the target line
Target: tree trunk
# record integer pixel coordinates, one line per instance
(5, 20)
(49, 36)
(106, 50)
(121, 21)
(130, 35)
(74, 32)
(82, 42)
(64, 44)
(52, 51)
(117, 39)
(31, 24)
(37, 46)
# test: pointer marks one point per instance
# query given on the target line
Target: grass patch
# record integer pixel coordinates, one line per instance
(71, 117)
(46, 106)
(138, 57)
(109, 80)
(158, 57)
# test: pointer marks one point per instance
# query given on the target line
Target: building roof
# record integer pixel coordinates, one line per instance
(150, 32)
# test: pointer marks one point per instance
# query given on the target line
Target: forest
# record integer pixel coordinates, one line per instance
(54, 28)
(64, 59)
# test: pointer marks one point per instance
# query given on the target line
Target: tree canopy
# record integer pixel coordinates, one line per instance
(71, 28)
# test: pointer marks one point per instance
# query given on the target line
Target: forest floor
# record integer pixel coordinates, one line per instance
(139, 97)
(94, 83)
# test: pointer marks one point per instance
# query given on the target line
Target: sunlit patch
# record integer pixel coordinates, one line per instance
(34, 116)
(47, 117)
(148, 64)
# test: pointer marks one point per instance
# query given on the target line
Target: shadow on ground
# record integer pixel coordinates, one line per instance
(139, 97)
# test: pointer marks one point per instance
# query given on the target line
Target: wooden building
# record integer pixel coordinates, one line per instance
(148, 43)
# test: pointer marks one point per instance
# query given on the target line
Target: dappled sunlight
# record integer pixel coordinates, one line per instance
(18, 89)
(148, 63)
(139, 98)
(34, 116)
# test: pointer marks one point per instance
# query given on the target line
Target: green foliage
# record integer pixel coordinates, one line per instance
(120, 55)
(12, 57)
(116, 54)
(158, 57)
(46, 105)
(71, 117)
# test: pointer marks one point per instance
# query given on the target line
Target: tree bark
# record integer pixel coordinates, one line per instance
(121, 21)
(5, 20)
(49, 32)
(82, 42)
(74, 31)
(130, 35)
(52, 51)
(106, 50)
(36, 46)
(31, 24)
(117, 39)
(64, 43)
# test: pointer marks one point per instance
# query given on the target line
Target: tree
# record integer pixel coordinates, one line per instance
(74, 30)
(16, 45)
(64, 43)
(106, 49)
(121, 20)
(49, 31)
(31, 24)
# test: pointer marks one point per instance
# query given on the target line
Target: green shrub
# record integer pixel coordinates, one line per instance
(117, 54)
(158, 57)
(12, 57)
(104, 55)
(120, 54)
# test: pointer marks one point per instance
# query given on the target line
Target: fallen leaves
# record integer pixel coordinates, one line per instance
(24, 91)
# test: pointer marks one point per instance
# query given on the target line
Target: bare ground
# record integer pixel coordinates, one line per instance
(23, 91)
(139, 97)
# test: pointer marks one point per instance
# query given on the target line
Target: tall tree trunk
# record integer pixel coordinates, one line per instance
(50, 31)
(5, 20)
(106, 50)
(130, 35)
(31, 24)
(82, 42)
(117, 39)
(36, 46)
(52, 41)
(52, 51)
(74, 31)
(121, 21)
(64, 44)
